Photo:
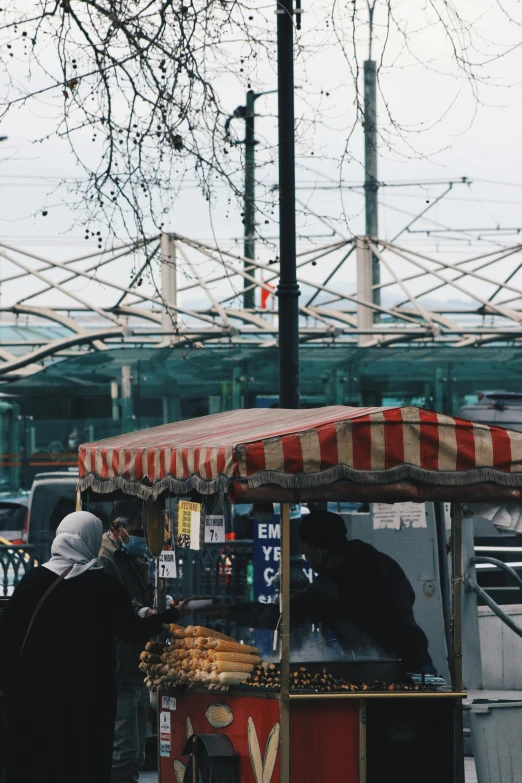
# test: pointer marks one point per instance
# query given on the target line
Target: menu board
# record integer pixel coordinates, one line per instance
(189, 524)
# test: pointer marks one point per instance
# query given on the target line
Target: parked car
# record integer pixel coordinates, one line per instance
(13, 517)
(501, 408)
(53, 496)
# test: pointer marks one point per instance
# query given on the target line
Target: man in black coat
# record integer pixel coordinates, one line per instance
(360, 594)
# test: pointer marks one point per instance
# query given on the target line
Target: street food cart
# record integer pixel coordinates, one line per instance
(386, 455)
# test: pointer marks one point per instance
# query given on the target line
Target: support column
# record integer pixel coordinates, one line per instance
(171, 409)
(284, 608)
(471, 660)
(364, 290)
(169, 285)
(115, 393)
(225, 388)
(371, 183)
(438, 390)
(127, 417)
(236, 388)
(249, 296)
(456, 675)
(340, 382)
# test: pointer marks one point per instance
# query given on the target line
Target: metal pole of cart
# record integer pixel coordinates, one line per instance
(284, 605)
(456, 558)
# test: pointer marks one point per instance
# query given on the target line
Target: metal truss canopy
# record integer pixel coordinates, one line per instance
(171, 291)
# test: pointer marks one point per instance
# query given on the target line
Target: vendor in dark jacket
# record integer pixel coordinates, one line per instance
(362, 595)
(123, 555)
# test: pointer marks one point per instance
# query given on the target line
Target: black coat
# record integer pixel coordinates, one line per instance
(61, 692)
(134, 574)
(369, 590)
(366, 600)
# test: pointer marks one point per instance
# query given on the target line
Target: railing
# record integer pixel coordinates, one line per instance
(471, 584)
(219, 570)
(15, 562)
(488, 564)
(222, 571)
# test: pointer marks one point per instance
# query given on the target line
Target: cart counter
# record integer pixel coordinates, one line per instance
(334, 737)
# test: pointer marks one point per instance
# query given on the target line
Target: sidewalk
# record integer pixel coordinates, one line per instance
(471, 777)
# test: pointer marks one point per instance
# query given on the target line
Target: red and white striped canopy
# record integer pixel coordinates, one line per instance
(300, 449)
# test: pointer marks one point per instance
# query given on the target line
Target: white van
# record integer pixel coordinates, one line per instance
(501, 408)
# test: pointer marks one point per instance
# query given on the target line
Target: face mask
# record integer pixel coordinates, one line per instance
(136, 546)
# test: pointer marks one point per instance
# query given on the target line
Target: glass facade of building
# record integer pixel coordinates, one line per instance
(83, 398)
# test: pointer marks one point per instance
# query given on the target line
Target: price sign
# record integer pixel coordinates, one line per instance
(167, 565)
(214, 528)
(189, 524)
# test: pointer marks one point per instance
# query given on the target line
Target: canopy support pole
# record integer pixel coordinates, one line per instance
(456, 559)
(456, 551)
(284, 605)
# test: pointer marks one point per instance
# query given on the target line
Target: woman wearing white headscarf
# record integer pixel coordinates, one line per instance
(60, 684)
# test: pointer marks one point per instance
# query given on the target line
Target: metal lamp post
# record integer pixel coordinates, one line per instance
(288, 288)
(247, 113)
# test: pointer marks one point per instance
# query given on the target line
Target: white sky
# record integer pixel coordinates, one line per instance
(460, 138)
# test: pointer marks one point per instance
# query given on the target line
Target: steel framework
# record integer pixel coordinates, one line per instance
(170, 290)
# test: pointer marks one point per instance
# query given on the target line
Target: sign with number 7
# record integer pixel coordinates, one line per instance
(214, 528)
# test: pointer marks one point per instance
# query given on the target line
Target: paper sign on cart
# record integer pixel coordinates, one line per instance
(386, 516)
(165, 724)
(189, 524)
(167, 568)
(398, 516)
(412, 514)
(165, 749)
(214, 528)
(164, 728)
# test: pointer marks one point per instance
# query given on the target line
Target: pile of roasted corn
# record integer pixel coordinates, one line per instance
(268, 675)
(197, 655)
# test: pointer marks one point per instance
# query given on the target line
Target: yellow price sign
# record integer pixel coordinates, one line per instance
(189, 524)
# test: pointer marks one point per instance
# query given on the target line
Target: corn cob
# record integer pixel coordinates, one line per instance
(239, 657)
(232, 666)
(223, 646)
(177, 631)
(200, 630)
(190, 643)
(231, 678)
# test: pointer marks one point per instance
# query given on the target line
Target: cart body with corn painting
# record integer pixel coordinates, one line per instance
(386, 455)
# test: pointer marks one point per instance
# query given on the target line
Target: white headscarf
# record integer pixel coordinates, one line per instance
(77, 543)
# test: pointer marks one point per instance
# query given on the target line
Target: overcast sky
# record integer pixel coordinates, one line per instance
(447, 132)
